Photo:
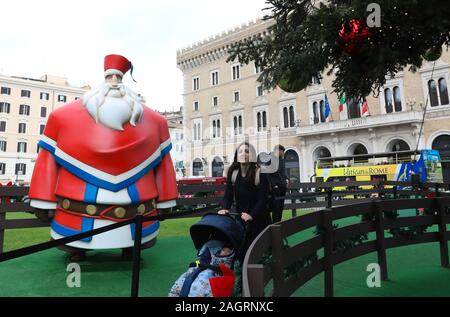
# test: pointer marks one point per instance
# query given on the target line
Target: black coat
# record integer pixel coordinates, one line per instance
(251, 199)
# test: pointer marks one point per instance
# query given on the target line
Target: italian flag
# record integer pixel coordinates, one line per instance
(342, 108)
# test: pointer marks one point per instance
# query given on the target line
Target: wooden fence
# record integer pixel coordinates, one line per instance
(268, 259)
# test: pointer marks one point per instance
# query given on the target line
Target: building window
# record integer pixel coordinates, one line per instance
(318, 108)
(215, 101)
(236, 71)
(196, 106)
(438, 93)
(2, 126)
(62, 98)
(195, 83)
(443, 92)
(397, 99)
(43, 112)
(6, 91)
(22, 128)
(41, 129)
(21, 147)
(288, 117)
(261, 121)
(236, 96)
(197, 130)
(2, 146)
(21, 169)
(5, 107)
(388, 100)
(2, 168)
(216, 128)
(258, 69)
(24, 110)
(45, 96)
(315, 80)
(353, 108)
(25, 93)
(237, 124)
(259, 91)
(215, 78)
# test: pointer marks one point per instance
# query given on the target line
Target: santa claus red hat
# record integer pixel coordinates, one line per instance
(117, 64)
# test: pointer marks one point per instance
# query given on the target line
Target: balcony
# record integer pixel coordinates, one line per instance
(391, 119)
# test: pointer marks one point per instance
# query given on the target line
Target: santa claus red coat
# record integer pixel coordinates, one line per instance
(86, 161)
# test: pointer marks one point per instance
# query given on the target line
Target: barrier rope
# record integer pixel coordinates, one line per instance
(55, 243)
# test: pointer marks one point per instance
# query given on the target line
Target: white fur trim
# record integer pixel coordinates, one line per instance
(113, 71)
(117, 238)
(166, 204)
(42, 204)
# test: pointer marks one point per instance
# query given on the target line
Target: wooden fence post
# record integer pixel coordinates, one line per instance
(327, 226)
(443, 243)
(293, 201)
(277, 259)
(381, 248)
(2, 223)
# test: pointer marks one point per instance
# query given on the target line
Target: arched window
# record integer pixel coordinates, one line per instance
(291, 116)
(432, 90)
(235, 122)
(258, 120)
(322, 111)
(388, 100)
(264, 120)
(316, 112)
(214, 129)
(218, 128)
(285, 117)
(397, 99)
(443, 92)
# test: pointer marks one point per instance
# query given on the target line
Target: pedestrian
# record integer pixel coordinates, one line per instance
(278, 183)
(247, 188)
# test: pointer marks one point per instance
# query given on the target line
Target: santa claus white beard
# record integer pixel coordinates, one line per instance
(113, 107)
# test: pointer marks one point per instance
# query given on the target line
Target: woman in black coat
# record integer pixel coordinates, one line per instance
(250, 199)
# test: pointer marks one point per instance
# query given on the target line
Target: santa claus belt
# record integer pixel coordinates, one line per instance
(107, 211)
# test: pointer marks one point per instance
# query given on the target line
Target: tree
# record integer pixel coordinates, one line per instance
(308, 38)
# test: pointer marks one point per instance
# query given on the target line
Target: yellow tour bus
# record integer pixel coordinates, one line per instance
(392, 166)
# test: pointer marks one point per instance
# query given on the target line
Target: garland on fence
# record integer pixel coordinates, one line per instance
(405, 232)
(295, 268)
(345, 244)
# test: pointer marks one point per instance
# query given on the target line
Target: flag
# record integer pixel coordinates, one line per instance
(342, 108)
(341, 103)
(364, 108)
(327, 110)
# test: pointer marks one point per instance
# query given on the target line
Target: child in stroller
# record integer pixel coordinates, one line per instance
(218, 239)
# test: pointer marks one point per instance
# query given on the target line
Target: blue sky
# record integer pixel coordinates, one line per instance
(70, 38)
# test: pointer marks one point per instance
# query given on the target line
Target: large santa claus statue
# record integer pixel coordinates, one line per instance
(103, 159)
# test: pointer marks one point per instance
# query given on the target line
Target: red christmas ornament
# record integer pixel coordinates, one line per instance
(352, 34)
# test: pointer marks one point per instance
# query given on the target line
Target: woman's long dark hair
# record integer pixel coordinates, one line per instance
(236, 165)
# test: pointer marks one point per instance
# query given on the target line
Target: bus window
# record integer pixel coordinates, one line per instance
(378, 177)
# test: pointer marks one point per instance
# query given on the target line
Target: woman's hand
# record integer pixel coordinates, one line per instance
(223, 212)
(246, 217)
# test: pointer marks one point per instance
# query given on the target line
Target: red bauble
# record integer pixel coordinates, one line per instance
(352, 34)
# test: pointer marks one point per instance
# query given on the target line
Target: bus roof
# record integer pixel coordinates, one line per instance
(368, 156)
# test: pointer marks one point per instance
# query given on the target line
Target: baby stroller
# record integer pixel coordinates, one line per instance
(218, 239)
